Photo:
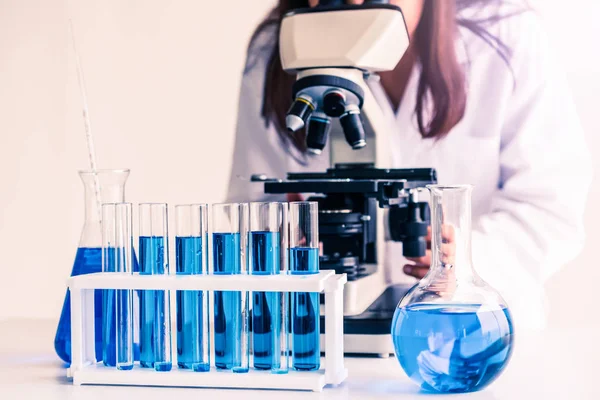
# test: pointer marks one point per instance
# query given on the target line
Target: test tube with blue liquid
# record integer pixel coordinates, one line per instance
(230, 226)
(117, 257)
(304, 259)
(191, 255)
(155, 310)
(267, 255)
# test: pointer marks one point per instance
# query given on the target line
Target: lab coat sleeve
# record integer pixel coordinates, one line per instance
(536, 221)
(258, 148)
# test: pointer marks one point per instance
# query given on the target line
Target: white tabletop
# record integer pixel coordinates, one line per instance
(552, 365)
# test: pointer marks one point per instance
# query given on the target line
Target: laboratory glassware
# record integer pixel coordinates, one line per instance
(117, 257)
(191, 255)
(230, 227)
(304, 259)
(88, 258)
(155, 309)
(452, 331)
(267, 255)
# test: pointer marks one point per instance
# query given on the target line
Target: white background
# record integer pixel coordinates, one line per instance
(163, 79)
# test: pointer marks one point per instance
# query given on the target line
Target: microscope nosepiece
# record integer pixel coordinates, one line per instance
(353, 128)
(299, 113)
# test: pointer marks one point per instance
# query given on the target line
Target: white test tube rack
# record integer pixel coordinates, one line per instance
(85, 370)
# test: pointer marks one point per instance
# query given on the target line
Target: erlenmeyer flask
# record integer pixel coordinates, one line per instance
(452, 331)
(88, 258)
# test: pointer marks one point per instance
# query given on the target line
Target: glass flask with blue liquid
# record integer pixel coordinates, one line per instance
(452, 331)
(88, 258)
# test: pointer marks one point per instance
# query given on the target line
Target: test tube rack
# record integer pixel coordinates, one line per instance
(85, 370)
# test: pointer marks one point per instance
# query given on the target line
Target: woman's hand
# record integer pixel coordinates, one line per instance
(290, 197)
(421, 265)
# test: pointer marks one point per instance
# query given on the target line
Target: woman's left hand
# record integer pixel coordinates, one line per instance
(420, 267)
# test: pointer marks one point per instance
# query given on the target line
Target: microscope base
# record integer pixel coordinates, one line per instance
(380, 345)
(369, 332)
(375, 345)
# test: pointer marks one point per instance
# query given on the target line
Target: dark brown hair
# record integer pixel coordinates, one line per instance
(442, 79)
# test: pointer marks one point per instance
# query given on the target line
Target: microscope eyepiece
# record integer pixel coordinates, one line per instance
(353, 128)
(299, 113)
(317, 133)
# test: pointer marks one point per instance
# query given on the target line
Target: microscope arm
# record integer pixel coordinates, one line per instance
(376, 122)
(377, 130)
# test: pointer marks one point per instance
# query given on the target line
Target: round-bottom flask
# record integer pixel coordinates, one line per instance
(452, 331)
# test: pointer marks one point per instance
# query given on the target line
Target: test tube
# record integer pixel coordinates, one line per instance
(230, 226)
(191, 255)
(304, 259)
(155, 328)
(117, 316)
(267, 255)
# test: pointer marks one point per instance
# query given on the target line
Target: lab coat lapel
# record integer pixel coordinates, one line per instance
(396, 134)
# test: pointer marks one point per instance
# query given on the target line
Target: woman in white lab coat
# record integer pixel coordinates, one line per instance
(478, 97)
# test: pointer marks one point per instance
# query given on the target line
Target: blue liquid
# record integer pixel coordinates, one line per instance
(87, 260)
(109, 328)
(266, 306)
(155, 336)
(306, 350)
(190, 307)
(452, 348)
(228, 311)
(124, 311)
(113, 302)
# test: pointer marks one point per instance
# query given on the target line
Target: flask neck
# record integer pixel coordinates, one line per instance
(451, 233)
(105, 186)
(452, 280)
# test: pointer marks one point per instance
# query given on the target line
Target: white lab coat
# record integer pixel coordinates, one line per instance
(520, 144)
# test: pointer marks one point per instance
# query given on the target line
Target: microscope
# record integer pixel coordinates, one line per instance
(334, 49)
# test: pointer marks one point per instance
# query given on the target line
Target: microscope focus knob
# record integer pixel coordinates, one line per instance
(414, 243)
(409, 226)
